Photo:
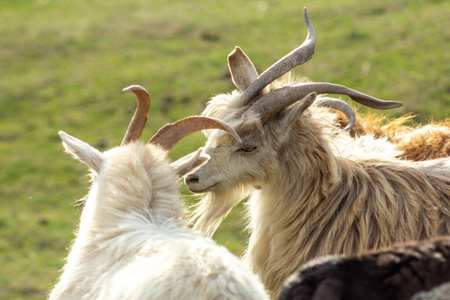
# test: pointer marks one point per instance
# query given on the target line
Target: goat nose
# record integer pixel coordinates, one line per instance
(191, 179)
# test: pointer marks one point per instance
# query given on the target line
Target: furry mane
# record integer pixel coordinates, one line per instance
(321, 191)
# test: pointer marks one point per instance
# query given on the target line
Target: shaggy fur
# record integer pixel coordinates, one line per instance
(422, 142)
(314, 189)
(132, 242)
(394, 273)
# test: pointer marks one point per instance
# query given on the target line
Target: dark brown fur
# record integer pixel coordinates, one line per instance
(393, 273)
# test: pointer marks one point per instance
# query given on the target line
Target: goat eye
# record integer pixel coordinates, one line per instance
(248, 148)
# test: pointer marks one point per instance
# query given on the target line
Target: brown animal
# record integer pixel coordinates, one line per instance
(398, 272)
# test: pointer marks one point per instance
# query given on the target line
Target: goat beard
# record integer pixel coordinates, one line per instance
(210, 211)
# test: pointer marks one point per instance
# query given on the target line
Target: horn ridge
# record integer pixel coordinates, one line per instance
(169, 135)
(296, 57)
(277, 100)
(140, 117)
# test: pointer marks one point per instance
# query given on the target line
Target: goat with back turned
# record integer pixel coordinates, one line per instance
(132, 241)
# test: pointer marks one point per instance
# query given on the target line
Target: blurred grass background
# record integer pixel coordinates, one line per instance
(63, 65)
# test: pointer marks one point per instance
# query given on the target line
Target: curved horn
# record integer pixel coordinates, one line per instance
(361, 98)
(170, 134)
(242, 70)
(341, 106)
(274, 102)
(140, 117)
(270, 105)
(296, 57)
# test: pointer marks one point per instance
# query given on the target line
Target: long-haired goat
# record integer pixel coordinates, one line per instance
(314, 189)
(398, 272)
(132, 242)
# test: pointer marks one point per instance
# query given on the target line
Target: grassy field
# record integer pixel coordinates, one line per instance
(63, 65)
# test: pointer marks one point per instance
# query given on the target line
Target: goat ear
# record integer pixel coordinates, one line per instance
(242, 70)
(188, 163)
(294, 111)
(82, 151)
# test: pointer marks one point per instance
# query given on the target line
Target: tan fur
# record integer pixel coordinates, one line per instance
(321, 193)
(418, 142)
(373, 203)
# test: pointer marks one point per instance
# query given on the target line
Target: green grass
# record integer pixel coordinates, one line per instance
(63, 65)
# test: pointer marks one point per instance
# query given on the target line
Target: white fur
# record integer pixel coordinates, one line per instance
(132, 241)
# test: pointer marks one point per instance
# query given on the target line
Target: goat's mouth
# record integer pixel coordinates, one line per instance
(194, 184)
(199, 191)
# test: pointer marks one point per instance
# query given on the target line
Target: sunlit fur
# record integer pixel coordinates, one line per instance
(417, 142)
(132, 241)
(318, 190)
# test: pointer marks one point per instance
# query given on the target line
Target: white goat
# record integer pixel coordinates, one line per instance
(314, 190)
(132, 242)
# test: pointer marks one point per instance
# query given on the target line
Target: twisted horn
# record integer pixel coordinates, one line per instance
(170, 134)
(296, 57)
(274, 102)
(341, 106)
(242, 70)
(140, 117)
(366, 100)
